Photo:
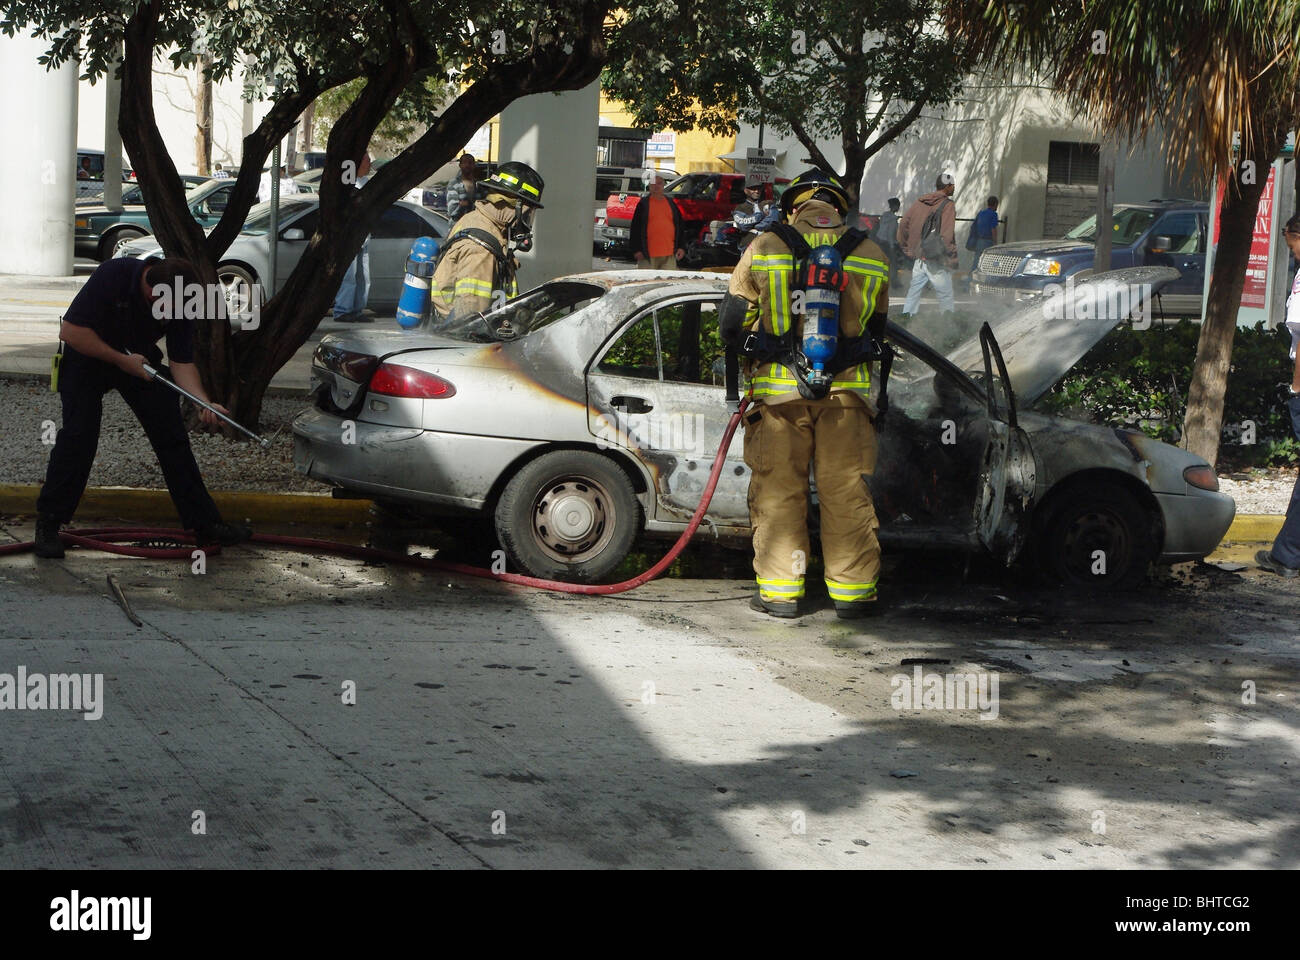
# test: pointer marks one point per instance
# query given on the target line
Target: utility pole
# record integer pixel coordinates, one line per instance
(1105, 207)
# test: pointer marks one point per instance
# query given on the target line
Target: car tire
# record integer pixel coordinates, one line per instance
(569, 515)
(1102, 517)
(109, 246)
(237, 282)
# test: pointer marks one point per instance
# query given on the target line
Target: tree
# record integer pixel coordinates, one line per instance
(856, 71)
(494, 51)
(203, 118)
(1201, 71)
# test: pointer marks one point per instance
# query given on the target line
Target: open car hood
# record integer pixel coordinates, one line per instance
(1043, 337)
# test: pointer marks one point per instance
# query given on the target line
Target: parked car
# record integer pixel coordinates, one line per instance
(1163, 233)
(701, 198)
(309, 180)
(618, 180)
(100, 233)
(588, 411)
(247, 261)
(92, 162)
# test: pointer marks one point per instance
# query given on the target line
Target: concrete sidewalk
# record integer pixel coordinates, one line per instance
(31, 307)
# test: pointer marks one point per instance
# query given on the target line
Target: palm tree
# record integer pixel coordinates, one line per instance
(1200, 70)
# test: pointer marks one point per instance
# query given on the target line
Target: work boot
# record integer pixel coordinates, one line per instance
(226, 534)
(856, 609)
(1265, 559)
(785, 609)
(48, 543)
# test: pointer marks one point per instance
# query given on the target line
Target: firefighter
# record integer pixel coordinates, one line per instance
(476, 265)
(802, 417)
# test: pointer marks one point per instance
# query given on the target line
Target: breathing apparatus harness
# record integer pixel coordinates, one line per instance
(819, 354)
(503, 274)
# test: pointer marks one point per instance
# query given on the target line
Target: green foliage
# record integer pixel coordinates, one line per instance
(1139, 379)
(407, 119)
(852, 71)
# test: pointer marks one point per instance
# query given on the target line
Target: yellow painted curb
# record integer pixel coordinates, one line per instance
(1255, 528)
(131, 503)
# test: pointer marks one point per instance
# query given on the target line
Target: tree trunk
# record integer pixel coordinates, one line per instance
(306, 132)
(203, 118)
(1203, 425)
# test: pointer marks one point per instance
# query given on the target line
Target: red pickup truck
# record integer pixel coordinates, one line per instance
(701, 198)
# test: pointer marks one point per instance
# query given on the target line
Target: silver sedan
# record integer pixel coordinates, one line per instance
(587, 412)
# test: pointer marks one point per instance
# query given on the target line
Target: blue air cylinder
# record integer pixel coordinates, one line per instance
(821, 320)
(413, 306)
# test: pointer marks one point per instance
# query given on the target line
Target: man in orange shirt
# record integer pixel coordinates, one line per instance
(657, 230)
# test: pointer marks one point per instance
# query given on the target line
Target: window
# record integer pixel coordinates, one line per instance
(307, 224)
(678, 342)
(607, 185)
(398, 222)
(737, 191)
(1127, 224)
(1073, 163)
(1183, 230)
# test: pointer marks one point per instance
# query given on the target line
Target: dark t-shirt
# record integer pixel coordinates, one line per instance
(112, 304)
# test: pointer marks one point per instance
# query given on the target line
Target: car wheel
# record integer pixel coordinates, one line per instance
(568, 515)
(1102, 538)
(237, 286)
(115, 241)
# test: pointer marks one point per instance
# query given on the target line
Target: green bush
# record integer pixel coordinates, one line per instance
(1139, 379)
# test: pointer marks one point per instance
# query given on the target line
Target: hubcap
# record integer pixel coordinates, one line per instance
(1092, 532)
(573, 519)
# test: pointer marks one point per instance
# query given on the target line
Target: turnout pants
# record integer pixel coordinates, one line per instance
(82, 385)
(835, 436)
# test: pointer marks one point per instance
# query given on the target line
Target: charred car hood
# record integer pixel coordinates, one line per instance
(1043, 337)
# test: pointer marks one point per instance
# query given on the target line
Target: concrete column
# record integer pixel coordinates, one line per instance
(112, 141)
(556, 136)
(40, 108)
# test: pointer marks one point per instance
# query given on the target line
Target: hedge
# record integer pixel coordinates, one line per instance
(1139, 379)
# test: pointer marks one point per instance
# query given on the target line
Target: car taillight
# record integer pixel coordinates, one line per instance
(395, 380)
(1202, 477)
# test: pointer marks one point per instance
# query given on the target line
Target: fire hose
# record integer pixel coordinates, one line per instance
(121, 540)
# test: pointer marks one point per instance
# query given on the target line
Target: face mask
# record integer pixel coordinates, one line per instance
(521, 228)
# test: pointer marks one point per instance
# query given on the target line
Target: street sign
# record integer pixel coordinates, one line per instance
(760, 166)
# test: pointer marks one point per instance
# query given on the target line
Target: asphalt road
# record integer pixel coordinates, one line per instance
(499, 727)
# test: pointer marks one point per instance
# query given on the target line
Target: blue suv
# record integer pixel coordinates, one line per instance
(1166, 233)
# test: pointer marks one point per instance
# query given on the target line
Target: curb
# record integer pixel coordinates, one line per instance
(132, 503)
(1255, 528)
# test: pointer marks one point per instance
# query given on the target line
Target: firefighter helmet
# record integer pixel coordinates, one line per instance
(814, 185)
(517, 180)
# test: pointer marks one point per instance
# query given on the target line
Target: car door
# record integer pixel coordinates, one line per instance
(289, 251)
(954, 470)
(656, 390)
(390, 244)
(1178, 240)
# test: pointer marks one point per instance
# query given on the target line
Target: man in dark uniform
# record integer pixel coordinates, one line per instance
(110, 331)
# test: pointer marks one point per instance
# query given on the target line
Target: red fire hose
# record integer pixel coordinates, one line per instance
(111, 540)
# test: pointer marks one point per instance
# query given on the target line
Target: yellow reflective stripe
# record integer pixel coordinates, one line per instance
(470, 285)
(850, 591)
(526, 187)
(773, 261)
(865, 265)
(779, 589)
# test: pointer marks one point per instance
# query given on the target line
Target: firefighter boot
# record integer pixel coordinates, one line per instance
(48, 543)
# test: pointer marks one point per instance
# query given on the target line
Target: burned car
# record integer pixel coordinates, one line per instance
(588, 412)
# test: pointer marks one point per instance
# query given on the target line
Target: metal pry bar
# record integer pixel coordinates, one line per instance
(266, 444)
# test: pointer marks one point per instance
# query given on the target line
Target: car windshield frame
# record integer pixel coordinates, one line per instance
(525, 314)
(1122, 226)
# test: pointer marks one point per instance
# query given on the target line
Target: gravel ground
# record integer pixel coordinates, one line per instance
(1260, 491)
(125, 458)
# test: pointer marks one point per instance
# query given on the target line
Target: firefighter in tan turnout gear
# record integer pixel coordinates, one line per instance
(809, 378)
(476, 261)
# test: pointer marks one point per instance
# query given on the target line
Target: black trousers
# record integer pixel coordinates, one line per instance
(1286, 548)
(83, 382)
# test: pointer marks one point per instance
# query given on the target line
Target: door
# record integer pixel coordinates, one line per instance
(953, 468)
(1178, 240)
(390, 245)
(657, 391)
(289, 252)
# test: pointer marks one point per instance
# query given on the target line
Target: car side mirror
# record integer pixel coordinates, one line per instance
(293, 233)
(1160, 244)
